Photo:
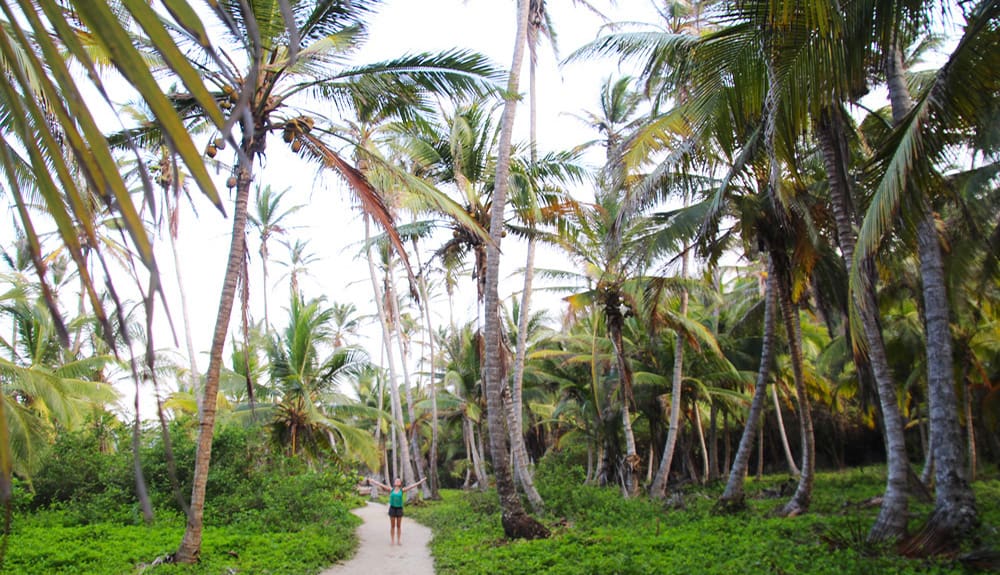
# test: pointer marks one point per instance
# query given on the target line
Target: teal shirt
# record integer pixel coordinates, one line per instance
(396, 498)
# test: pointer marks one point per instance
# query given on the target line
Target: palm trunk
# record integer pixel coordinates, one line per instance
(734, 497)
(800, 500)
(783, 433)
(518, 450)
(970, 430)
(263, 265)
(190, 547)
(955, 512)
(516, 523)
(414, 446)
(141, 491)
(659, 487)
(522, 468)
(432, 456)
(891, 521)
(713, 441)
(631, 463)
(193, 377)
(700, 432)
(394, 399)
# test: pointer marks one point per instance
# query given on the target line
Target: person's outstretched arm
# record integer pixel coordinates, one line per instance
(380, 485)
(409, 487)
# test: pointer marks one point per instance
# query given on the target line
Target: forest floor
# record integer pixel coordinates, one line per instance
(376, 554)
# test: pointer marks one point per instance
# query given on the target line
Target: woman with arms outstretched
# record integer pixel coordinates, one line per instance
(396, 499)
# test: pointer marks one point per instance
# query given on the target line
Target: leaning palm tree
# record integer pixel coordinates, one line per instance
(276, 64)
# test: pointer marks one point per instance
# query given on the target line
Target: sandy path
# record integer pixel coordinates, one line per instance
(377, 555)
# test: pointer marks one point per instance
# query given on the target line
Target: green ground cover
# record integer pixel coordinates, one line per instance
(596, 532)
(265, 513)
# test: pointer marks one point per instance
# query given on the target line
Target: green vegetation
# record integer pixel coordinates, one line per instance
(769, 271)
(596, 531)
(266, 513)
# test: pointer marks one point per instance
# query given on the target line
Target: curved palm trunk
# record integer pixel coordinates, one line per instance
(789, 458)
(425, 309)
(516, 523)
(891, 521)
(955, 512)
(800, 500)
(193, 377)
(515, 409)
(519, 453)
(414, 452)
(190, 547)
(394, 399)
(700, 433)
(734, 497)
(659, 487)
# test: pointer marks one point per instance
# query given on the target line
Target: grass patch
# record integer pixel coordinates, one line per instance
(596, 532)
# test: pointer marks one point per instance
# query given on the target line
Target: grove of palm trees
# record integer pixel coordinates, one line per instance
(748, 321)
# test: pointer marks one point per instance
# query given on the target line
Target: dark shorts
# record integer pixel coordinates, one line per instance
(395, 511)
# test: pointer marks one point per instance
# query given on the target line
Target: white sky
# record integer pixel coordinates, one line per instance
(333, 228)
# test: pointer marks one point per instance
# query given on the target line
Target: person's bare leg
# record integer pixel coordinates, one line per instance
(392, 529)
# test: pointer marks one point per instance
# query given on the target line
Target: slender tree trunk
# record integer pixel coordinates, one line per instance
(700, 433)
(970, 431)
(394, 399)
(432, 456)
(734, 497)
(891, 522)
(955, 513)
(522, 469)
(519, 454)
(516, 523)
(193, 376)
(659, 487)
(141, 491)
(190, 547)
(631, 463)
(713, 442)
(803, 492)
(782, 433)
(414, 453)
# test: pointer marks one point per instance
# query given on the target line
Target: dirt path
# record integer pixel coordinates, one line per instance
(377, 555)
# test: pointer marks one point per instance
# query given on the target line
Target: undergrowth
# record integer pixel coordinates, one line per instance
(263, 515)
(597, 532)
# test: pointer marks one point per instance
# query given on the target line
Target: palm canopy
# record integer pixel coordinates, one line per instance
(312, 412)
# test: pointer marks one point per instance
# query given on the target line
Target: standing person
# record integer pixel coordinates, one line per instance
(396, 506)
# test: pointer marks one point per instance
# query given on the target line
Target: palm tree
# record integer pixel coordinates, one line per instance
(267, 219)
(273, 64)
(516, 523)
(312, 415)
(51, 141)
(944, 108)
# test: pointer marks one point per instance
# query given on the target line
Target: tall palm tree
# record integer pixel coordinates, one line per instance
(267, 220)
(909, 167)
(516, 523)
(272, 64)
